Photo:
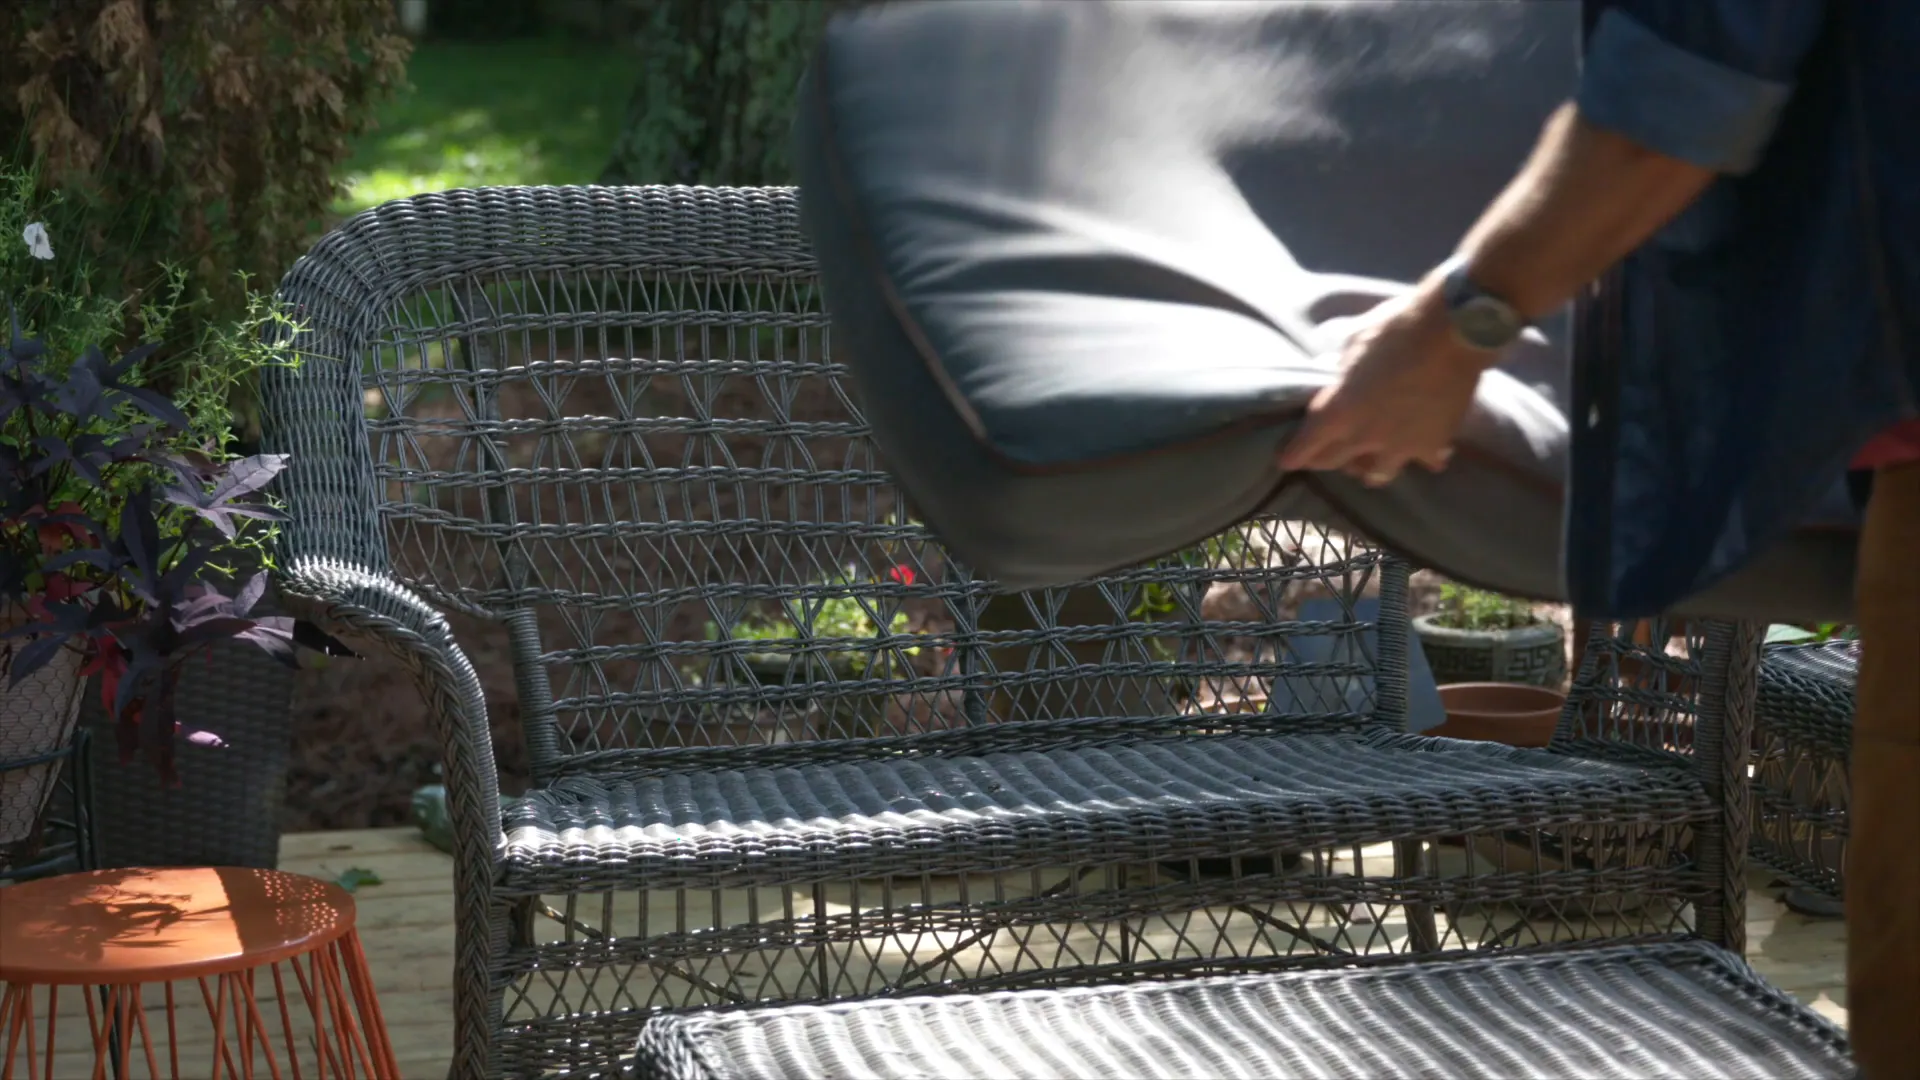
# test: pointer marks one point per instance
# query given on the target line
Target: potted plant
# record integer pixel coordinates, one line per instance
(1480, 636)
(1500, 666)
(789, 657)
(114, 521)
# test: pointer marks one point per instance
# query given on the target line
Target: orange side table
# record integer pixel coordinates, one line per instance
(186, 973)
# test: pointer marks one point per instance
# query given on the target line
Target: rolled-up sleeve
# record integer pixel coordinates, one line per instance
(1700, 80)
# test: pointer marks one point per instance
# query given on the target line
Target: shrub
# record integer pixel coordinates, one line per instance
(715, 98)
(192, 144)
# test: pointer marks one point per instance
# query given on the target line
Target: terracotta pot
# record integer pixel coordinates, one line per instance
(1500, 712)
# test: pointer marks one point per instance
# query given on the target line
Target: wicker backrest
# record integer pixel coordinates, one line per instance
(612, 417)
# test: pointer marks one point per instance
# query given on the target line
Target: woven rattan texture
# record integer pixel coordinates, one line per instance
(1140, 801)
(1803, 726)
(227, 810)
(785, 749)
(1683, 1011)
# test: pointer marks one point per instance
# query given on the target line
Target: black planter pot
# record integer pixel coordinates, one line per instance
(226, 811)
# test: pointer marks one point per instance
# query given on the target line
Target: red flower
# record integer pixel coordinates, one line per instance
(902, 574)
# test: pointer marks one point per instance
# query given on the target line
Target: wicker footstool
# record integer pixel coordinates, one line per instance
(1803, 728)
(1683, 1010)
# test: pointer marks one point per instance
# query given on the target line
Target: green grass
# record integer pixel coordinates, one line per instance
(536, 111)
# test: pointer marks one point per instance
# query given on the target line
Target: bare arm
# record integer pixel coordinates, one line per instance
(1673, 94)
(1584, 200)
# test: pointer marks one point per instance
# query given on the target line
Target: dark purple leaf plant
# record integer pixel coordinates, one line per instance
(116, 531)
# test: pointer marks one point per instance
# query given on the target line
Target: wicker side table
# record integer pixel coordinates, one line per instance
(1803, 734)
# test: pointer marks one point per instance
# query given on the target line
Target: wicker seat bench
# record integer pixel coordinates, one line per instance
(1008, 800)
(1683, 1010)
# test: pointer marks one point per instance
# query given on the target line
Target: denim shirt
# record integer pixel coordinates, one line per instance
(1727, 371)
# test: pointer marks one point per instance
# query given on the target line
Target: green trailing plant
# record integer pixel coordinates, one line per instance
(1157, 599)
(1465, 608)
(62, 298)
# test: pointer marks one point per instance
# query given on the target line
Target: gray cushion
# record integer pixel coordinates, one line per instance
(1088, 262)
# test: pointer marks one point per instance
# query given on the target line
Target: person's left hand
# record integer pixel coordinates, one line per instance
(1405, 385)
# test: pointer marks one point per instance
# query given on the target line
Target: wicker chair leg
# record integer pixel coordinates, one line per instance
(1423, 927)
(1729, 680)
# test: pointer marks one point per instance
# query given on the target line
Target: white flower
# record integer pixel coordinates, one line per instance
(35, 234)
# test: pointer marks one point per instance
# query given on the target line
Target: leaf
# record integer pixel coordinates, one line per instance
(250, 593)
(84, 396)
(156, 405)
(218, 626)
(23, 348)
(250, 474)
(152, 402)
(205, 739)
(94, 557)
(90, 452)
(353, 877)
(140, 534)
(221, 504)
(33, 656)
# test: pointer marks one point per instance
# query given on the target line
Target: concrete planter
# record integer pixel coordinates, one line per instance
(1534, 655)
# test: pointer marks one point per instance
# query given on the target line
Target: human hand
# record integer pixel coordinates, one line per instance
(1405, 385)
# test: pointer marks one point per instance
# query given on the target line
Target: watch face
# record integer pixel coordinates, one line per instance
(1486, 323)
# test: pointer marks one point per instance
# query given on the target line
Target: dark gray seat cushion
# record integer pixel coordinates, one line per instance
(1088, 262)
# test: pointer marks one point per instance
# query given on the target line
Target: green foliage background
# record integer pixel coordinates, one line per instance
(714, 100)
(192, 145)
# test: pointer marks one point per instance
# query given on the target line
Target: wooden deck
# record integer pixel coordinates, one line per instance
(405, 922)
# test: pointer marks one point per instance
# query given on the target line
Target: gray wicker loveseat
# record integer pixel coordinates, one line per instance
(784, 750)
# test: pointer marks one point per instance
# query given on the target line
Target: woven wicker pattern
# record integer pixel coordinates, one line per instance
(1803, 725)
(37, 717)
(786, 749)
(226, 811)
(1681, 1011)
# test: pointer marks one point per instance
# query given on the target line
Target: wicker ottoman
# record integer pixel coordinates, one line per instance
(1683, 1010)
(1803, 731)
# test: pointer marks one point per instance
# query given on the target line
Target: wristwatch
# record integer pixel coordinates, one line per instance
(1480, 319)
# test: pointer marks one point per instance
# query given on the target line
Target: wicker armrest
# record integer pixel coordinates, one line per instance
(370, 609)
